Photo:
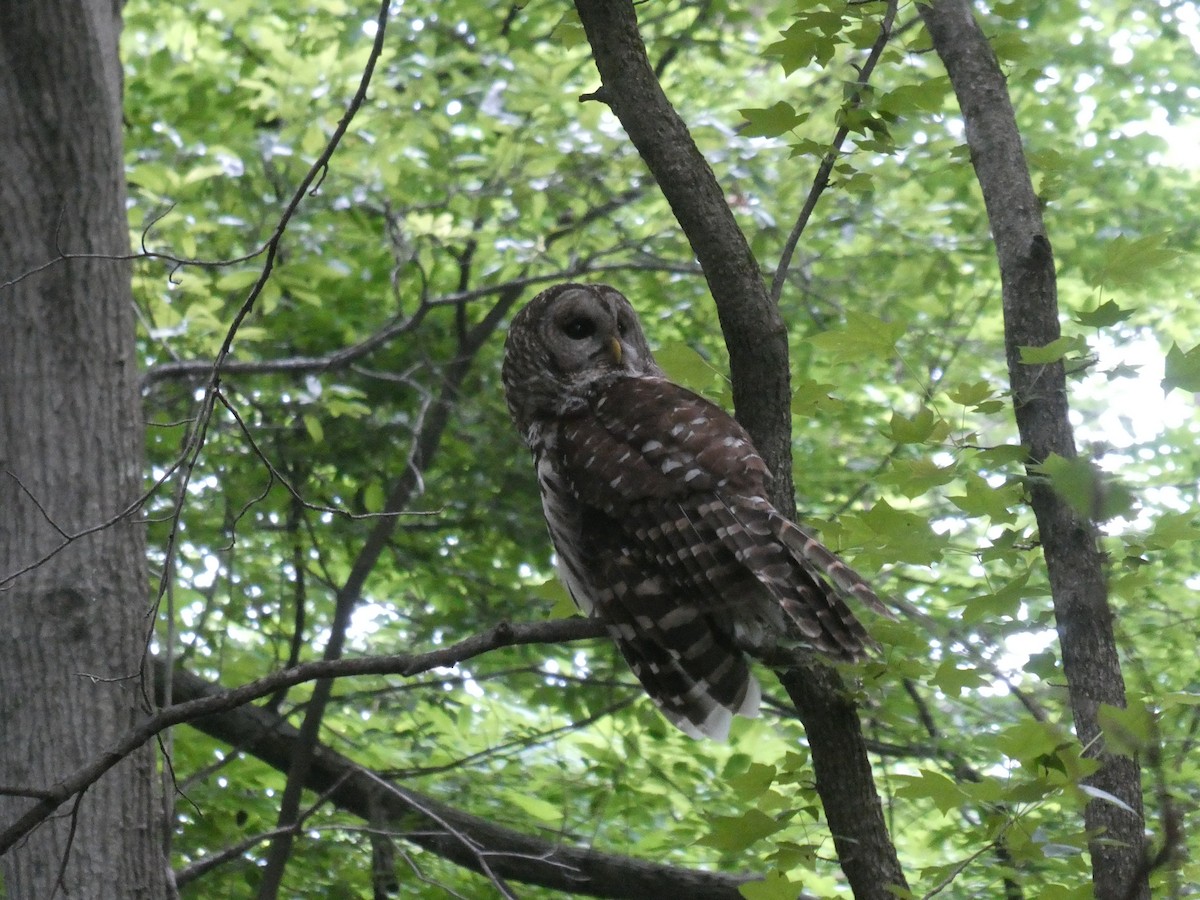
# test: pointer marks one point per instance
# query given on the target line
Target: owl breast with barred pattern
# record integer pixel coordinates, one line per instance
(656, 503)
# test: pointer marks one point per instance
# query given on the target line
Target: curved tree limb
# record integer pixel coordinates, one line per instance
(1073, 558)
(441, 828)
(758, 360)
(406, 664)
(460, 837)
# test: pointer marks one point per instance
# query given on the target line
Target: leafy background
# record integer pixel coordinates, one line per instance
(474, 166)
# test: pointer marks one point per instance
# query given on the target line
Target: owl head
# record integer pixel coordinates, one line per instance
(568, 342)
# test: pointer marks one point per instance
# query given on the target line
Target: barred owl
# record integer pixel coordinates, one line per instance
(656, 502)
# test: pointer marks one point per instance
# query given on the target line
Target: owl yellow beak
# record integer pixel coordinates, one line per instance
(616, 350)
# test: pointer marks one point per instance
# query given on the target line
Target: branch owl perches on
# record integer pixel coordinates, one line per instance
(657, 505)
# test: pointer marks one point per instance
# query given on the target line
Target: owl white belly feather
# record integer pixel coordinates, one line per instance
(564, 520)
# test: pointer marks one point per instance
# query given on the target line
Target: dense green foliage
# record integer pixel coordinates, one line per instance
(473, 165)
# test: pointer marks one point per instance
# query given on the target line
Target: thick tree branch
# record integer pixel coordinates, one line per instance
(754, 332)
(758, 360)
(449, 832)
(462, 838)
(1073, 557)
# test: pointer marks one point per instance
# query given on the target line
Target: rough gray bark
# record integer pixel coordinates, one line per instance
(758, 360)
(71, 628)
(1073, 558)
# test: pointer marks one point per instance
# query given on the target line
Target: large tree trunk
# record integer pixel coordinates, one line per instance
(72, 623)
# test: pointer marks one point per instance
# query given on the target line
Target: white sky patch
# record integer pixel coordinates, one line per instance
(364, 622)
(204, 580)
(472, 687)
(1130, 410)
(1018, 648)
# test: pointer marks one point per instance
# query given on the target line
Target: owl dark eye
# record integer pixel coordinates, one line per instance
(579, 329)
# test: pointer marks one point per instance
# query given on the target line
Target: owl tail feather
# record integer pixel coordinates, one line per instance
(699, 705)
(847, 582)
(818, 591)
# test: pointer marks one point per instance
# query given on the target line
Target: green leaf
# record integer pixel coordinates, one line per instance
(1002, 455)
(373, 497)
(1104, 315)
(1170, 528)
(237, 280)
(314, 428)
(981, 499)
(685, 366)
(1122, 370)
(808, 40)
(569, 32)
(1127, 731)
(732, 834)
(914, 477)
(1182, 370)
(553, 591)
(862, 337)
(1043, 665)
(1025, 791)
(912, 430)
(929, 785)
(1089, 491)
(775, 886)
(202, 173)
(536, 806)
(1180, 698)
(858, 183)
(1126, 262)
(953, 680)
(810, 397)
(970, 394)
(1004, 602)
(903, 536)
(1056, 350)
(927, 96)
(1026, 741)
(753, 782)
(773, 121)
(790, 855)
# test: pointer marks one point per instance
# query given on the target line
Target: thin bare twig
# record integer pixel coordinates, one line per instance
(211, 861)
(472, 846)
(821, 180)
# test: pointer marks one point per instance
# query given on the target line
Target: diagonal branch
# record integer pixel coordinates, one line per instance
(754, 332)
(455, 835)
(404, 664)
(821, 180)
(1073, 558)
(758, 358)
